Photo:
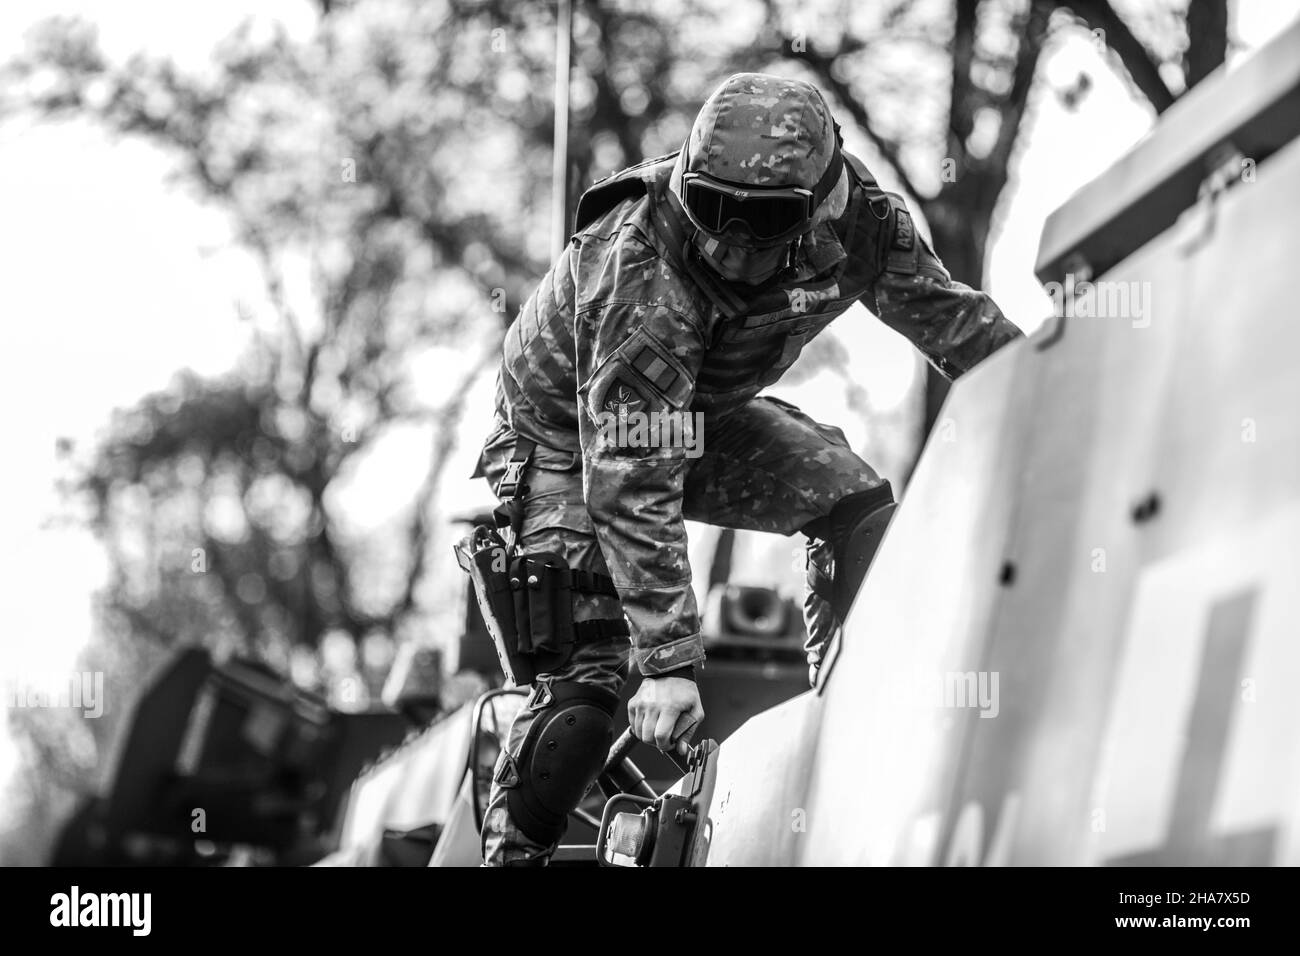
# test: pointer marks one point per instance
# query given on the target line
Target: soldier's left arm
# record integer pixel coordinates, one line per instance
(954, 326)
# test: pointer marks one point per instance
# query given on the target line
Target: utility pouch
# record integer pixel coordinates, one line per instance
(543, 603)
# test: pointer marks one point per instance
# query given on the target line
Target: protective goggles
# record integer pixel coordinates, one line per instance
(757, 216)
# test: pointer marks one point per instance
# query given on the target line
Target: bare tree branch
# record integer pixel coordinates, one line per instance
(1032, 30)
(821, 66)
(1207, 39)
(963, 100)
(444, 445)
(1142, 68)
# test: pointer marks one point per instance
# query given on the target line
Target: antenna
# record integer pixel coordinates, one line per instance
(560, 139)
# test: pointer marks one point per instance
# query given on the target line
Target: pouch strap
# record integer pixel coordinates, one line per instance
(512, 489)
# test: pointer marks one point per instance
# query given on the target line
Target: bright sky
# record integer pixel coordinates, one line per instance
(112, 282)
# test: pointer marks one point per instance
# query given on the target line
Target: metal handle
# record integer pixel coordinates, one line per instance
(619, 752)
(624, 746)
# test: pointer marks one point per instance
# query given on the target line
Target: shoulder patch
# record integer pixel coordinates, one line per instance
(655, 368)
(904, 231)
(901, 255)
(622, 397)
(641, 375)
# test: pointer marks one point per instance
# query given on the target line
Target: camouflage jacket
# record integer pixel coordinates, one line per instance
(619, 322)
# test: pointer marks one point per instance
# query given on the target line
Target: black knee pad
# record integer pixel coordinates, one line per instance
(562, 753)
(857, 525)
(852, 530)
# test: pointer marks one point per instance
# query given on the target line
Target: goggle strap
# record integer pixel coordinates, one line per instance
(832, 175)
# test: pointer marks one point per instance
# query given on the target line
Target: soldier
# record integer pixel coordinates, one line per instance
(693, 281)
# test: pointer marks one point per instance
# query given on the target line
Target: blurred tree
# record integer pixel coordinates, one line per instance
(388, 178)
(344, 165)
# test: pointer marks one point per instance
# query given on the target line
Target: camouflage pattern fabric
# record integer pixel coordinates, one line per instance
(618, 330)
(769, 468)
(762, 130)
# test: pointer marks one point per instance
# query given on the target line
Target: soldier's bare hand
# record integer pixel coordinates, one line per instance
(665, 711)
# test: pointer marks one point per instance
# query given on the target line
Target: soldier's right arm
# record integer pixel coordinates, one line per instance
(635, 359)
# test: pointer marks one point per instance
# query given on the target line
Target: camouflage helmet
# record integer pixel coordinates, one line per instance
(762, 130)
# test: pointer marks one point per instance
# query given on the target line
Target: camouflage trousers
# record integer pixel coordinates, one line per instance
(767, 467)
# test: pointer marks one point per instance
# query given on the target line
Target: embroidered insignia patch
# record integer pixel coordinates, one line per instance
(622, 398)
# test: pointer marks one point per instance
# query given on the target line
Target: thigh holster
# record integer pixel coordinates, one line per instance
(572, 730)
(527, 599)
(527, 604)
